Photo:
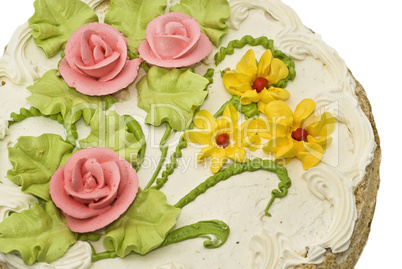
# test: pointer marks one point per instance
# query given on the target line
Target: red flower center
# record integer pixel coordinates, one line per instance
(222, 140)
(260, 83)
(300, 135)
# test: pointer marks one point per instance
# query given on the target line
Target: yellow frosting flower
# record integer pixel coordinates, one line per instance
(222, 137)
(301, 134)
(252, 81)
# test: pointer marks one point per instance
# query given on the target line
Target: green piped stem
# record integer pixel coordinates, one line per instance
(164, 150)
(170, 167)
(239, 168)
(135, 128)
(209, 75)
(103, 255)
(71, 129)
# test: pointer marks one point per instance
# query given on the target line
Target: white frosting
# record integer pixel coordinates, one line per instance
(14, 64)
(3, 128)
(77, 257)
(14, 200)
(318, 213)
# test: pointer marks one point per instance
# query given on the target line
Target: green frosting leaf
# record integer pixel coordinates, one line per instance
(144, 226)
(35, 159)
(55, 21)
(110, 131)
(38, 234)
(210, 14)
(171, 96)
(131, 17)
(51, 95)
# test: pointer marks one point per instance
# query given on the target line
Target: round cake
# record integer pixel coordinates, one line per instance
(181, 134)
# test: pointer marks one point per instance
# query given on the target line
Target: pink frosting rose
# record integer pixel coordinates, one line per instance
(93, 188)
(174, 40)
(96, 61)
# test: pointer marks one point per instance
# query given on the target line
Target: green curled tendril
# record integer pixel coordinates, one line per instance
(135, 128)
(239, 168)
(215, 230)
(71, 129)
(164, 149)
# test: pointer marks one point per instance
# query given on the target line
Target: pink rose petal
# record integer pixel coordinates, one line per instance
(89, 86)
(199, 52)
(96, 61)
(94, 204)
(174, 40)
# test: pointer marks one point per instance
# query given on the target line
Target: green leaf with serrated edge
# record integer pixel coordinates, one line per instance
(110, 131)
(210, 14)
(171, 96)
(131, 17)
(55, 21)
(35, 159)
(37, 234)
(144, 226)
(51, 95)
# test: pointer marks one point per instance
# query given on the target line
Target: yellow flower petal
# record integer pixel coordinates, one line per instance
(249, 127)
(231, 114)
(265, 96)
(310, 154)
(252, 142)
(248, 64)
(279, 112)
(277, 129)
(279, 93)
(249, 97)
(303, 110)
(264, 65)
(237, 83)
(218, 159)
(324, 141)
(262, 106)
(206, 152)
(205, 121)
(323, 127)
(236, 154)
(282, 146)
(278, 71)
(264, 128)
(224, 126)
(198, 137)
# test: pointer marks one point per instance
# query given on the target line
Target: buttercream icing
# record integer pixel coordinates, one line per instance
(298, 221)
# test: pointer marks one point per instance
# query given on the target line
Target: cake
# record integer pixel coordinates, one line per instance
(252, 147)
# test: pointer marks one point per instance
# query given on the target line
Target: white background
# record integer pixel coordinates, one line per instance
(367, 34)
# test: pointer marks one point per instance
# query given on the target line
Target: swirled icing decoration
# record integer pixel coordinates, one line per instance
(13, 64)
(14, 200)
(327, 183)
(274, 251)
(347, 110)
(77, 257)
